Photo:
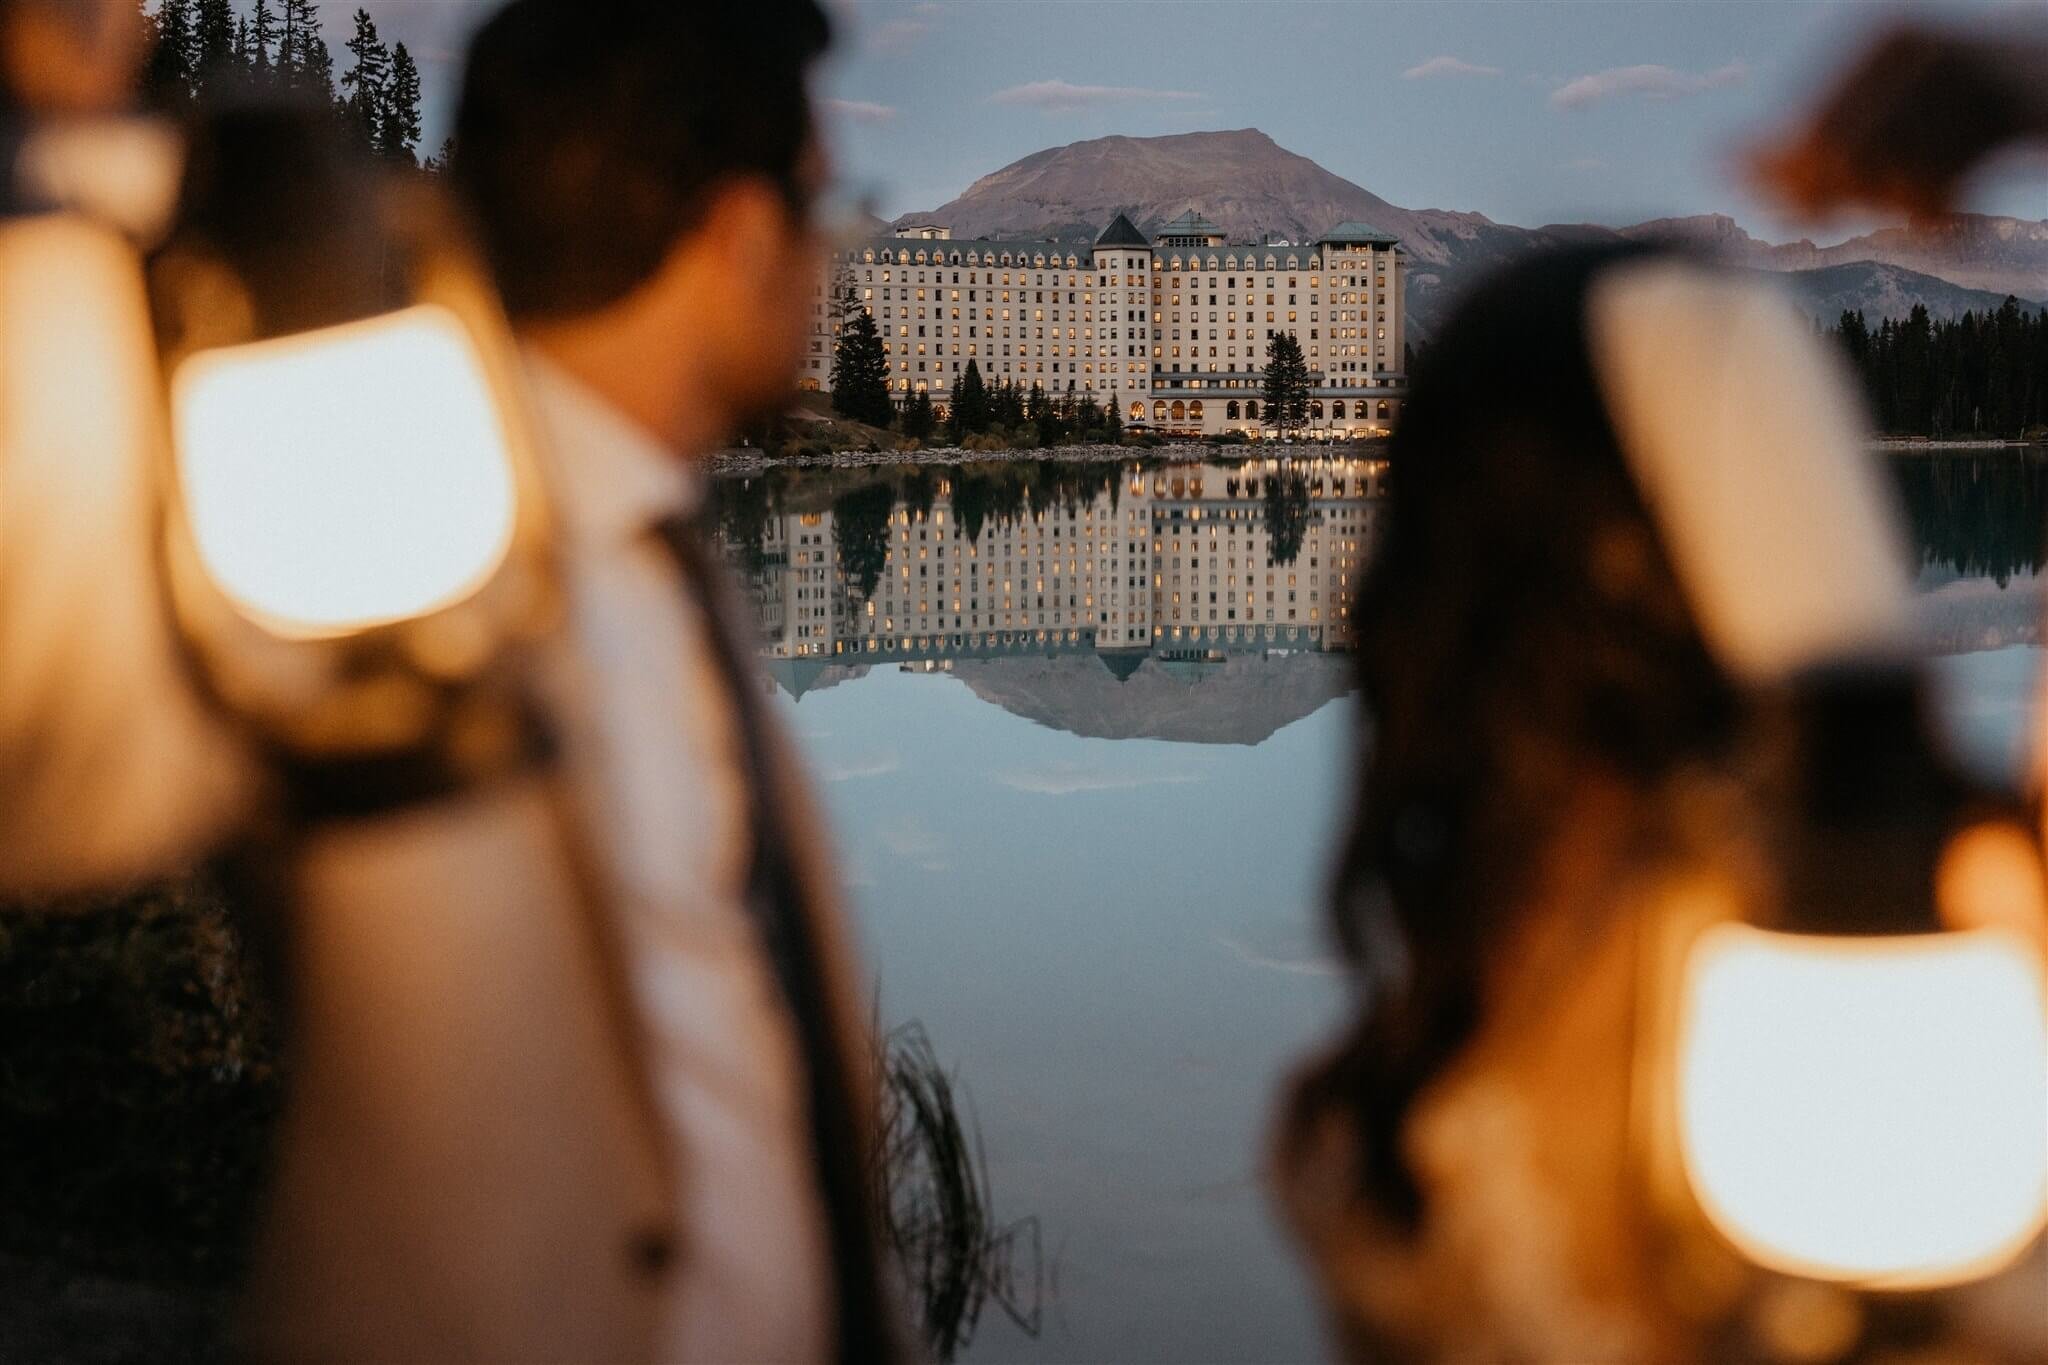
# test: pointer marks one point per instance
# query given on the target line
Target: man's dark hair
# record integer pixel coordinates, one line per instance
(593, 133)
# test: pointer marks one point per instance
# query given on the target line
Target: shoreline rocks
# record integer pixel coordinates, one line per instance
(746, 461)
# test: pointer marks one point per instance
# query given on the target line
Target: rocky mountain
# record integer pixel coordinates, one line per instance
(1253, 187)
(1241, 700)
(1998, 255)
(1882, 291)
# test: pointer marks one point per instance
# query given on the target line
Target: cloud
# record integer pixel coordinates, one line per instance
(872, 767)
(1321, 966)
(904, 30)
(912, 840)
(1646, 82)
(861, 111)
(1447, 66)
(1065, 779)
(1060, 97)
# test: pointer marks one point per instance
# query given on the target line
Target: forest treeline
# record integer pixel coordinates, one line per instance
(1981, 374)
(204, 49)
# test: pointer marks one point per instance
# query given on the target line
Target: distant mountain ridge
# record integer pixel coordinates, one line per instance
(1252, 187)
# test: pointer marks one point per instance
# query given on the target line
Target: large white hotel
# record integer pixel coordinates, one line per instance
(1169, 329)
(1176, 562)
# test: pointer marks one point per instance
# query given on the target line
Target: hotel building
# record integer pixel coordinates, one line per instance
(1170, 330)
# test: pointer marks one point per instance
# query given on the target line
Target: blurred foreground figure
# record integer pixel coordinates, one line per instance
(1653, 881)
(1911, 119)
(644, 190)
(576, 1066)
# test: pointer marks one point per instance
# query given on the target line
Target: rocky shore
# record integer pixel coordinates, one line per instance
(744, 460)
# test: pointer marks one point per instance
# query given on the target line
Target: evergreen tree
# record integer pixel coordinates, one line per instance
(1286, 515)
(167, 75)
(1008, 405)
(1981, 374)
(860, 372)
(363, 85)
(1112, 425)
(918, 418)
(1286, 388)
(1088, 418)
(265, 25)
(439, 162)
(970, 404)
(307, 64)
(400, 128)
(212, 54)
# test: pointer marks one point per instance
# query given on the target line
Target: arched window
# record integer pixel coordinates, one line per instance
(1195, 410)
(1230, 410)
(1180, 411)
(1137, 412)
(1159, 409)
(1337, 410)
(1383, 409)
(1251, 409)
(1315, 410)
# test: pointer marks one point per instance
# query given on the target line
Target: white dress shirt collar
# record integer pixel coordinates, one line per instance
(612, 478)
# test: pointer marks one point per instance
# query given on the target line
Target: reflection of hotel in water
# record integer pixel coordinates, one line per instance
(1173, 562)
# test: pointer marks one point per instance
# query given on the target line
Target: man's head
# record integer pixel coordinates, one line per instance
(647, 168)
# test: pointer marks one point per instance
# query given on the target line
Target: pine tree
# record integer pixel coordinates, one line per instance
(1112, 425)
(918, 419)
(1981, 373)
(306, 66)
(168, 74)
(1286, 389)
(264, 28)
(213, 45)
(400, 129)
(970, 405)
(363, 85)
(440, 161)
(860, 373)
(1008, 405)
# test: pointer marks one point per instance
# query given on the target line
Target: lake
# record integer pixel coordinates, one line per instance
(1083, 735)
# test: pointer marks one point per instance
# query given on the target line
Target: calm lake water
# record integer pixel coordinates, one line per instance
(1084, 735)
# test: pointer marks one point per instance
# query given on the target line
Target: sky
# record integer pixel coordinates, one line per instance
(1525, 110)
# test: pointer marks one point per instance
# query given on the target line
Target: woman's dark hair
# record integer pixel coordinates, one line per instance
(591, 136)
(1519, 626)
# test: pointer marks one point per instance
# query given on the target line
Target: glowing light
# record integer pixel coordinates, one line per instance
(1867, 1110)
(348, 477)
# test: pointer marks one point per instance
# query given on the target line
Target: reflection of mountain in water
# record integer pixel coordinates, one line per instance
(1964, 615)
(1181, 601)
(1241, 700)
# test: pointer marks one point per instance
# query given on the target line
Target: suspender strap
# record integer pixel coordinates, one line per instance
(782, 901)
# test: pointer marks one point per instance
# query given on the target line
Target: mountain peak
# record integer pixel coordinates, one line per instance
(1254, 189)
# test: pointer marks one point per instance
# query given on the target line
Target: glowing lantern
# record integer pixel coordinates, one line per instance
(345, 478)
(355, 541)
(1851, 1084)
(1866, 1110)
